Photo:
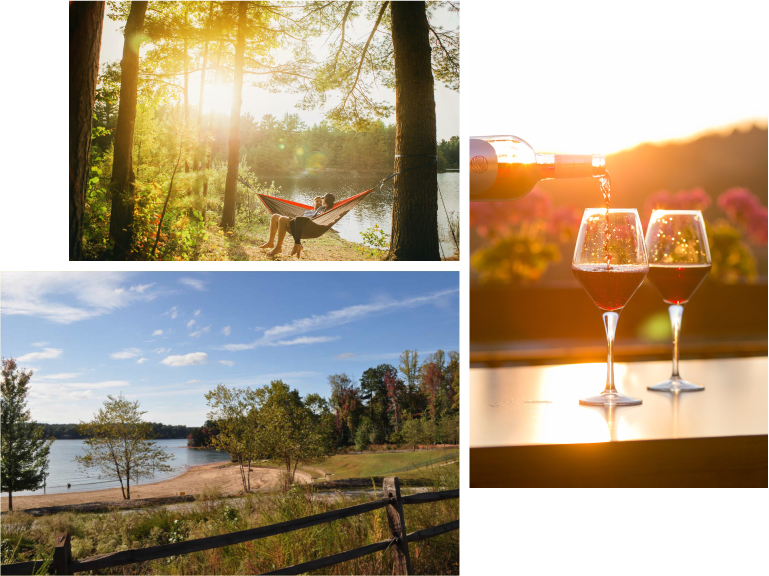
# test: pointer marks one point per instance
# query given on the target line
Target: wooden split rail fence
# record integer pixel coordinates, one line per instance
(398, 542)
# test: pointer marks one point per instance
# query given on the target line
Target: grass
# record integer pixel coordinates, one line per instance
(244, 241)
(26, 538)
(381, 464)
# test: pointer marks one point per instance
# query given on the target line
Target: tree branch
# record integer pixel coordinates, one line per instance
(341, 43)
(363, 55)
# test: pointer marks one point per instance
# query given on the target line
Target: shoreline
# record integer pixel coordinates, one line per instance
(221, 476)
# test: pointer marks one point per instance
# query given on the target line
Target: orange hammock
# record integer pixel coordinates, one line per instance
(311, 227)
(315, 227)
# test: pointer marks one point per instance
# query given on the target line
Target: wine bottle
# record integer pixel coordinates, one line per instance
(507, 168)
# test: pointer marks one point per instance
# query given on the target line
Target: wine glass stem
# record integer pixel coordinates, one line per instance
(676, 314)
(610, 320)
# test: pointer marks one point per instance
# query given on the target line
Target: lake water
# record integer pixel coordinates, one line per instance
(63, 469)
(376, 208)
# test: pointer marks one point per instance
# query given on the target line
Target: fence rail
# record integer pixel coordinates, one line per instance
(64, 564)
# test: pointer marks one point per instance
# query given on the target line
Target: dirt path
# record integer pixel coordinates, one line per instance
(193, 481)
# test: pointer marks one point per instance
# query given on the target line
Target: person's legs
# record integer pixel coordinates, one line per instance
(282, 225)
(273, 229)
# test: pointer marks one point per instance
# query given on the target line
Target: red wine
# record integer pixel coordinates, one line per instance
(611, 288)
(605, 184)
(676, 284)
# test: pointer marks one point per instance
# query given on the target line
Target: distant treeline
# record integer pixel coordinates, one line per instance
(272, 145)
(160, 431)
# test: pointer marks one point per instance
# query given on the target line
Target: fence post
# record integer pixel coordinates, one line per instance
(62, 554)
(392, 489)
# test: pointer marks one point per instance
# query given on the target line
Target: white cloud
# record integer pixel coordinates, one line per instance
(226, 330)
(46, 354)
(67, 297)
(107, 384)
(190, 323)
(304, 340)
(141, 288)
(142, 360)
(157, 333)
(126, 354)
(193, 283)
(63, 376)
(276, 335)
(238, 347)
(197, 333)
(192, 381)
(191, 359)
(161, 350)
(173, 312)
(344, 355)
(39, 344)
(197, 313)
(227, 362)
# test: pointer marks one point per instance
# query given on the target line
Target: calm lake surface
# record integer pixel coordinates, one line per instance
(63, 469)
(376, 208)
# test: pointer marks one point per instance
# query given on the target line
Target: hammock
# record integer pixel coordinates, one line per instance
(313, 227)
(316, 227)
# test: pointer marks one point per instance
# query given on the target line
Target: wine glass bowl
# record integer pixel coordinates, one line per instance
(610, 263)
(679, 261)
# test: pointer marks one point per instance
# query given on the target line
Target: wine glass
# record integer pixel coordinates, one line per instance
(610, 263)
(679, 260)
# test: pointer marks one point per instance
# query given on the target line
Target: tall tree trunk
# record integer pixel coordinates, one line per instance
(10, 500)
(415, 196)
(210, 144)
(85, 23)
(122, 185)
(231, 185)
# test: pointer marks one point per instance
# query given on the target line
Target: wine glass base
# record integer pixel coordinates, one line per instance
(675, 385)
(610, 399)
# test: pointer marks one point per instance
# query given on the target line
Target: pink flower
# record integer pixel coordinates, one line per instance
(739, 204)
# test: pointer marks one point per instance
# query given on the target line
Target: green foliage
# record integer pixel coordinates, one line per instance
(363, 434)
(118, 444)
(514, 258)
(376, 237)
(25, 449)
(732, 259)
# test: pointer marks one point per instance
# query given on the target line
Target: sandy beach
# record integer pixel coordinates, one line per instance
(193, 481)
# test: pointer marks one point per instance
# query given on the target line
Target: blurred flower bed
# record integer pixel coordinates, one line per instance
(520, 240)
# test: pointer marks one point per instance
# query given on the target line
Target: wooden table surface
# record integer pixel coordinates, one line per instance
(527, 427)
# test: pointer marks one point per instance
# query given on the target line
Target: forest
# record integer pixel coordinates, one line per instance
(159, 431)
(409, 405)
(156, 171)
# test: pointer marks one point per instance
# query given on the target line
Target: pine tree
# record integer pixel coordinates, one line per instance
(25, 450)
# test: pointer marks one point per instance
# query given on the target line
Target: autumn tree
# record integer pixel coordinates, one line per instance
(85, 24)
(346, 403)
(24, 450)
(395, 389)
(118, 444)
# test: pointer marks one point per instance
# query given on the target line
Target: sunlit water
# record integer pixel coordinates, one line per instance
(63, 469)
(376, 208)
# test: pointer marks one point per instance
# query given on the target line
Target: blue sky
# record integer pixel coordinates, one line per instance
(166, 338)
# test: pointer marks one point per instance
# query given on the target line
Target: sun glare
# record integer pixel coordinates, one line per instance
(218, 97)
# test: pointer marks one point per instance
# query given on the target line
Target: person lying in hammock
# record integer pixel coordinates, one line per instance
(279, 224)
